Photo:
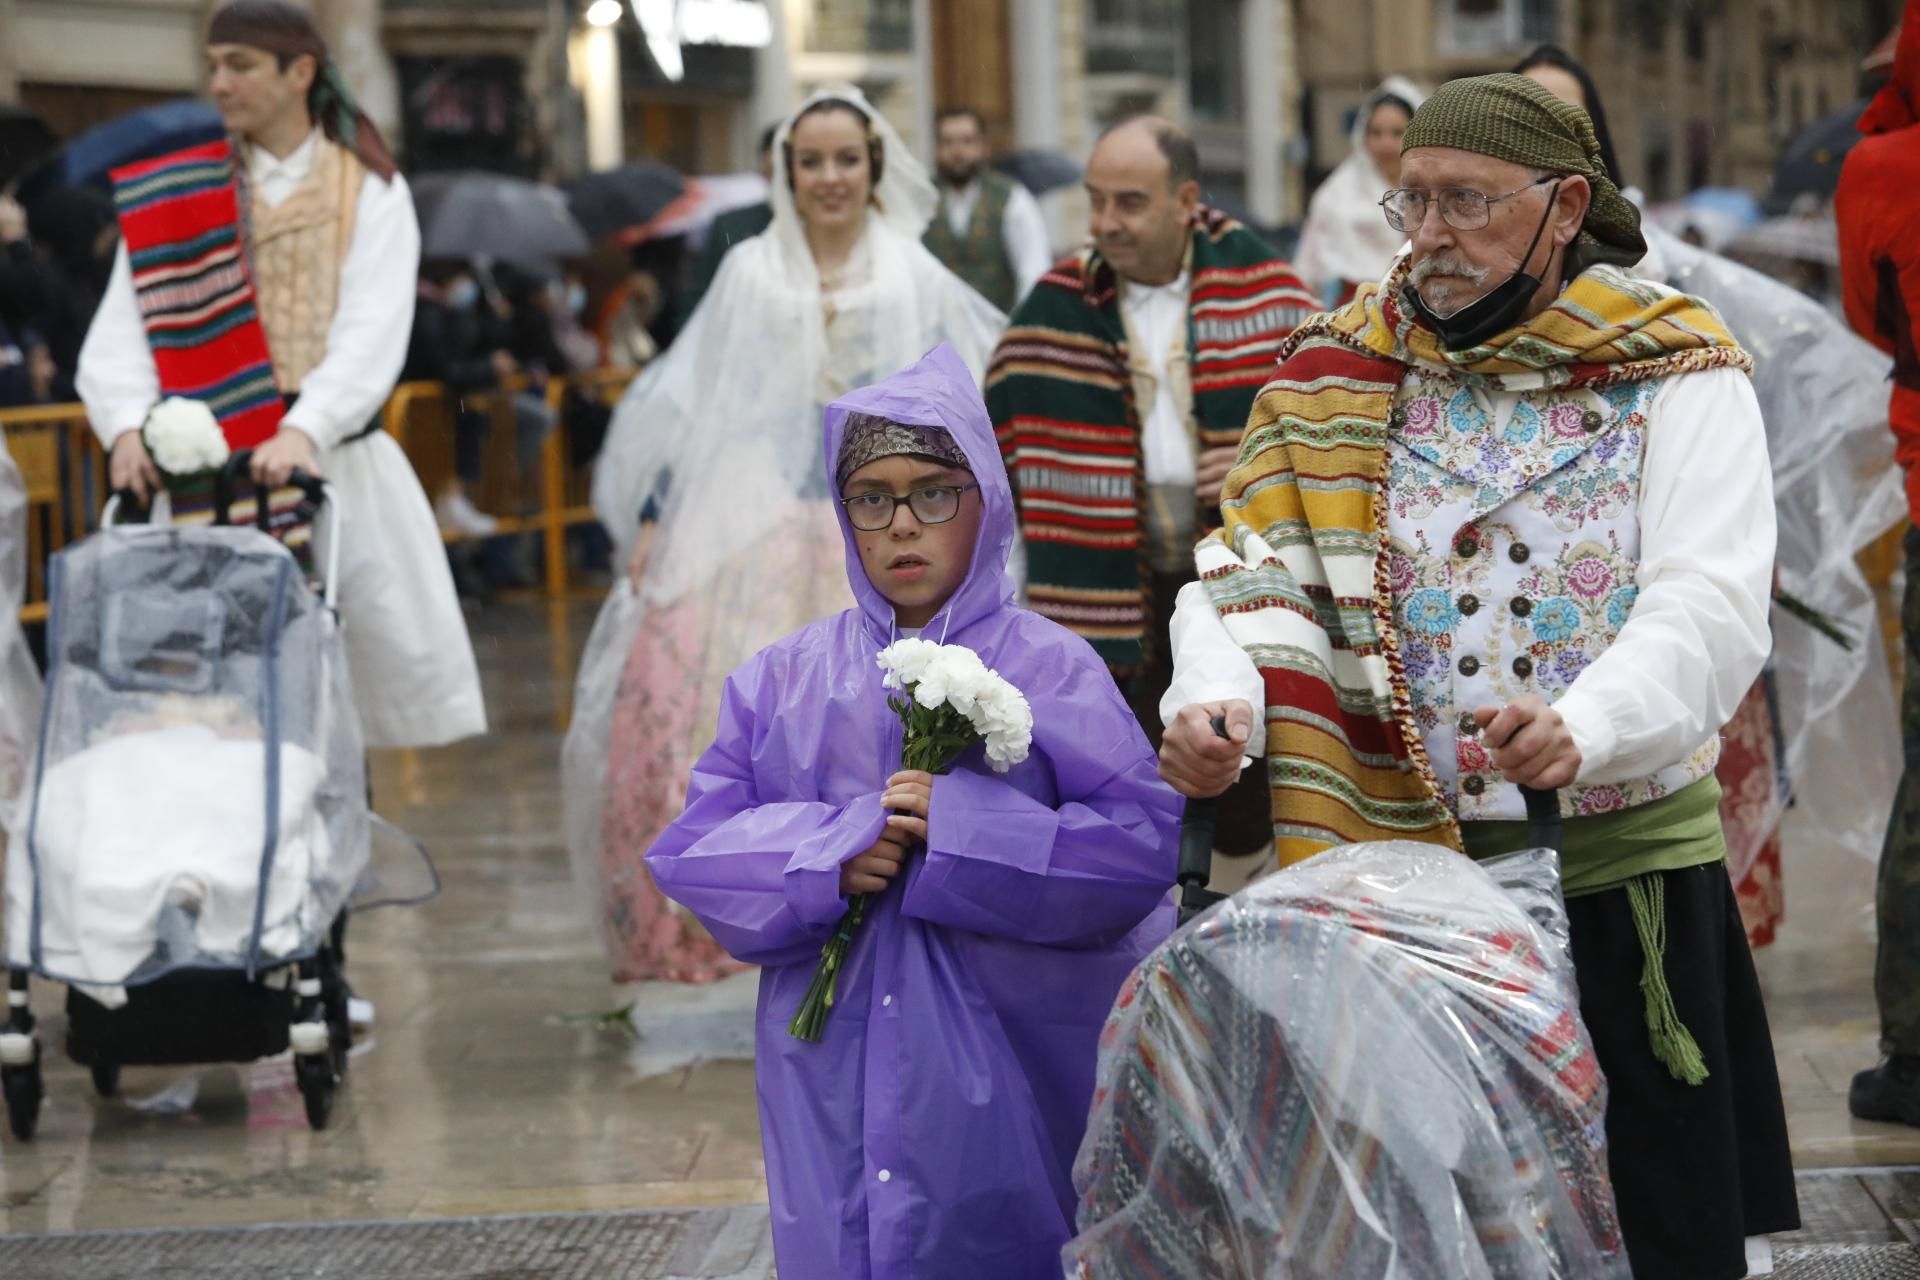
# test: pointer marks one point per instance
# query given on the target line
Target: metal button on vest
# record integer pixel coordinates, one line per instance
(1519, 553)
(1468, 547)
(1523, 667)
(1469, 666)
(1469, 604)
(1474, 785)
(1522, 607)
(1590, 421)
(1469, 727)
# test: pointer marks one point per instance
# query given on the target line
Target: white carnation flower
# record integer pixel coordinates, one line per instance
(953, 675)
(904, 660)
(184, 437)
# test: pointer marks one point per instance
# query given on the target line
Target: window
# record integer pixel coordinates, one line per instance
(1134, 36)
(1213, 67)
(467, 113)
(1496, 28)
(1539, 22)
(860, 26)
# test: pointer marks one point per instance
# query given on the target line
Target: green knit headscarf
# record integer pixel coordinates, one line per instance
(1513, 118)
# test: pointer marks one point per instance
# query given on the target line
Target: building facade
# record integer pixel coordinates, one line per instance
(1700, 92)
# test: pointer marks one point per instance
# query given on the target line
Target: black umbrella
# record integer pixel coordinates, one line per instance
(475, 214)
(1038, 171)
(25, 140)
(616, 200)
(1810, 164)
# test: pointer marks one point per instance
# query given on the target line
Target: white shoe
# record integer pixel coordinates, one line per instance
(457, 513)
(359, 1012)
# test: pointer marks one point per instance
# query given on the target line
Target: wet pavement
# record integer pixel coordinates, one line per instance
(487, 1089)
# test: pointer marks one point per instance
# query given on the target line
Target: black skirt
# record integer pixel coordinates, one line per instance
(1696, 1168)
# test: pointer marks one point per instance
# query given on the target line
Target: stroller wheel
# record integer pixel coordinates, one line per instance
(106, 1078)
(314, 1073)
(24, 1089)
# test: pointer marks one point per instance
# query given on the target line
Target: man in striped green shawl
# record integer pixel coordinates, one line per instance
(1506, 521)
(1119, 394)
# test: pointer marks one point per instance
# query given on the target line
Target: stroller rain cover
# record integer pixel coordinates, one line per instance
(199, 792)
(1368, 1066)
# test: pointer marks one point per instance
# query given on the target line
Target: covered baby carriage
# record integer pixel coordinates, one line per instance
(197, 819)
(1368, 1066)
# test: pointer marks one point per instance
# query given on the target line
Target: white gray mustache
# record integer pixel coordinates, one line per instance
(1447, 264)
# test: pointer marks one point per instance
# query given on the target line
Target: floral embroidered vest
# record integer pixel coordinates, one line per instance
(1515, 541)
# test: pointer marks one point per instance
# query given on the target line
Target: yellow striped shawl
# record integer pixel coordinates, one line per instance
(1299, 573)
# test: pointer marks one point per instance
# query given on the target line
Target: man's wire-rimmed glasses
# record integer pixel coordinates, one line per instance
(1461, 208)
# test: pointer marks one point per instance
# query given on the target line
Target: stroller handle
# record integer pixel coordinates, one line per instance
(318, 492)
(240, 463)
(1196, 849)
(316, 489)
(1544, 831)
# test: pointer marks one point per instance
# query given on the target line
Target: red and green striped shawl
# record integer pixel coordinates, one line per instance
(1061, 395)
(180, 217)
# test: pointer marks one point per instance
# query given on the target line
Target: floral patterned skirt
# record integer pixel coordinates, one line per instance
(1751, 803)
(667, 706)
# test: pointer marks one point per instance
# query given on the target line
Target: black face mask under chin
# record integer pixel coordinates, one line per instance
(1493, 312)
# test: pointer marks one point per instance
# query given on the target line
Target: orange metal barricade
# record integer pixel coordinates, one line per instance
(66, 470)
(66, 478)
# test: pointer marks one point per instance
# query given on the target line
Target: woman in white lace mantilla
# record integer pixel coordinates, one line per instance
(711, 486)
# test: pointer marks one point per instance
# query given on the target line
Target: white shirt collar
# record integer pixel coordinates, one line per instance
(263, 165)
(1141, 295)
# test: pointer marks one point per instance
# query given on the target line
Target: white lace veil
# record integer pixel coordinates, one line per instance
(1346, 238)
(723, 430)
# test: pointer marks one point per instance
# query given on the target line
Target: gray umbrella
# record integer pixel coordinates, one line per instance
(473, 214)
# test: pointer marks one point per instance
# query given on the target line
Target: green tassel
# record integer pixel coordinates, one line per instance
(346, 111)
(1672, 1043)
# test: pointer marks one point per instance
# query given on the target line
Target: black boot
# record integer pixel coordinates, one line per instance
(1890, 1091)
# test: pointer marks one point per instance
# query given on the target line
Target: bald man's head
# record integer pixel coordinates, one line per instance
(1143, 189)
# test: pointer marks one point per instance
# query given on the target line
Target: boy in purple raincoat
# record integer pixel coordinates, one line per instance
(930, 1135)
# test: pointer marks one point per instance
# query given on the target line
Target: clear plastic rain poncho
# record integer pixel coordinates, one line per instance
(199, 795)
(19, 679)
(1823, 396)
(1368, 1066)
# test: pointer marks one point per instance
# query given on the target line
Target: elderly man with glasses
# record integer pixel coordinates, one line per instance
(1505, 521)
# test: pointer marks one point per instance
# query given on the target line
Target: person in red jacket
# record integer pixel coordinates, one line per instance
(1879, 224)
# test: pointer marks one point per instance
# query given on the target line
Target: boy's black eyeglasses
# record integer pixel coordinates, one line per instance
(935, 504)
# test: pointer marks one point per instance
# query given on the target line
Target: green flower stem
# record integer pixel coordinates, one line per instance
(935, 739)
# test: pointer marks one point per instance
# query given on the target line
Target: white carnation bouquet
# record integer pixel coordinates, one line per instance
(951, 701)
(184, 438)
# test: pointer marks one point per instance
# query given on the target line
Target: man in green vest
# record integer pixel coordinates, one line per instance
(989, 230)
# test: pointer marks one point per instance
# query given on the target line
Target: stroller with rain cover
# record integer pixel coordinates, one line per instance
(1367, 1066)
(198, 819)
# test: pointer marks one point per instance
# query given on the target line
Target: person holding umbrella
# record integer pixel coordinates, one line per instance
(275, 281)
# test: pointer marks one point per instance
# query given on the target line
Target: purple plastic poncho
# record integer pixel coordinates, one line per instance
(931, 1133)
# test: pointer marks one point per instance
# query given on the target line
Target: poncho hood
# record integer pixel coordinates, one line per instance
(936, 391)
(1897, 105)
